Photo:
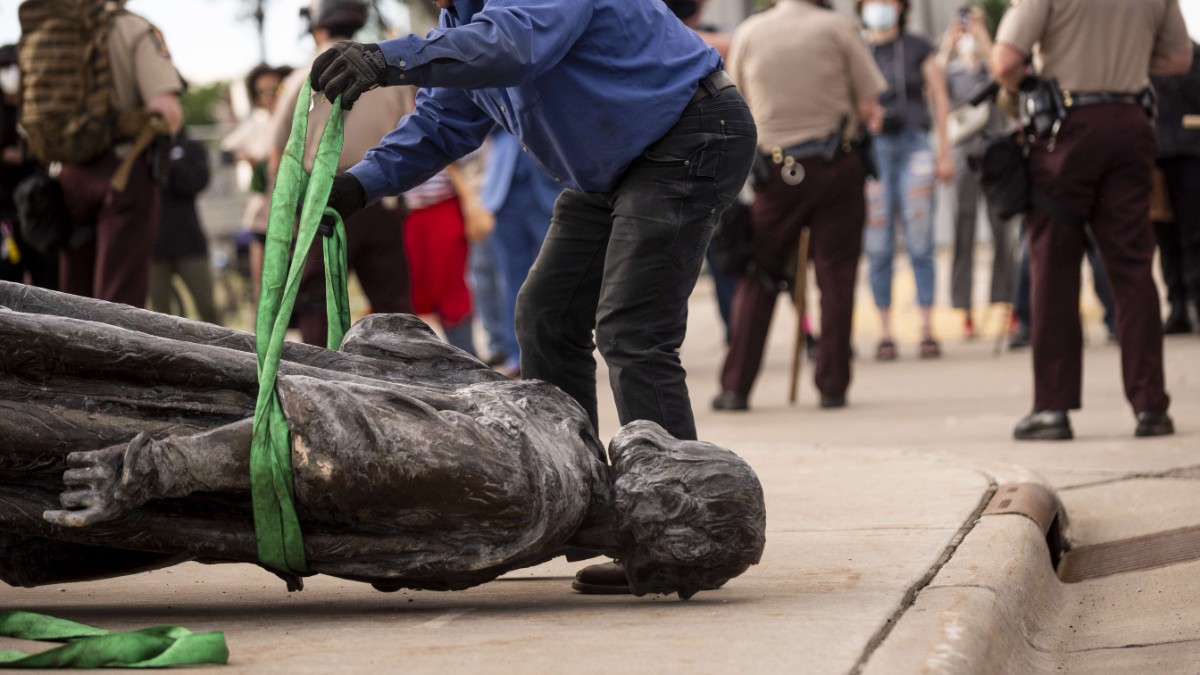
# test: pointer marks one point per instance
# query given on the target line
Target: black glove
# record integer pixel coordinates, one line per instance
(349, 69)
(347, 197)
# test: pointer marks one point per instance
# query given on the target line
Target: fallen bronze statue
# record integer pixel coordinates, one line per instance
(125, 443)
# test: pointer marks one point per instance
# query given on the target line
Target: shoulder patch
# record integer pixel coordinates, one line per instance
(160, 43)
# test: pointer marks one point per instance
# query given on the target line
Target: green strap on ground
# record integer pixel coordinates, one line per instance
(280, 542)
(89, 647)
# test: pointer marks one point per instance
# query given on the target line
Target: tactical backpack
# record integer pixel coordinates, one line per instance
(68, 106)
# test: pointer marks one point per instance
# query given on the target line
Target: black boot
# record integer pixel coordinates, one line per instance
(1154, 424)
(1044, 425)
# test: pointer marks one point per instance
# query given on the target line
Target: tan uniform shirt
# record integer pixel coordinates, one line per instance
(374, 114)
(141, 64)
(1095, 45)
(801, 69)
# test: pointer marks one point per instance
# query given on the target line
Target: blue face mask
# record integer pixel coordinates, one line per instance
(879, 16)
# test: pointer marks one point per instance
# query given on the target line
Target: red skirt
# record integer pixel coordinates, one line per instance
(436, 242)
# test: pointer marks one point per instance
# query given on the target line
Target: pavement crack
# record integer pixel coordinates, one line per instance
(1179, 473)
(910, 596)
(1136, 645)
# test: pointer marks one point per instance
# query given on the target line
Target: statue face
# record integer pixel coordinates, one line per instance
(694, 511)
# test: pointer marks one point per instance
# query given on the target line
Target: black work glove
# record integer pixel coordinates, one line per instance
(347, 197)
(349, 69)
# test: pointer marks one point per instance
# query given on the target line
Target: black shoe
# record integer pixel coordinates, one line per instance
(730, 400)
(1018, 339)
(1044, 425)
(828, 401)
(1177, 322)
(602, 579)
(1154, 424)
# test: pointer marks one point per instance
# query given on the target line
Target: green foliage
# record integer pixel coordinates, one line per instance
(994, 9)
(200, 102)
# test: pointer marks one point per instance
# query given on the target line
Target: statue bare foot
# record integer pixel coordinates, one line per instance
(101, 485)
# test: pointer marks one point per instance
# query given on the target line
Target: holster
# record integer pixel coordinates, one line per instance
(1041, 109)
(143, 126)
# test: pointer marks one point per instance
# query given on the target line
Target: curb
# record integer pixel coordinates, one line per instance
(979, 612)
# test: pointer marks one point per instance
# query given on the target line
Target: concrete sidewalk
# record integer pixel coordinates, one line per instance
(876, 560)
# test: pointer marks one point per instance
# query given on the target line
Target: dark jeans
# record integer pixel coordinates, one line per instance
(616, 269)
(725, 286)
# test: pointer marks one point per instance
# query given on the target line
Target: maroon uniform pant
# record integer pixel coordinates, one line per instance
(830, 203)
(1099, 169)
(115, 265)
(375, 252)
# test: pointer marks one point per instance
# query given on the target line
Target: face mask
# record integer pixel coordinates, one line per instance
(965, 47)
(879, 16)
(10, 80)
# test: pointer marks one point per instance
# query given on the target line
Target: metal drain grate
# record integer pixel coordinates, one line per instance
(1130, 555)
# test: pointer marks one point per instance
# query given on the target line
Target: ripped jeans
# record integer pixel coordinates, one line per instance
(904, 190)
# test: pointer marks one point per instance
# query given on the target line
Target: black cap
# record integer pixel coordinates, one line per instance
(351, 14)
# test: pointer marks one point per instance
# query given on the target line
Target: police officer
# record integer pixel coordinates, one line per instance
(1094, 163)
(813, 177)
(375, 235)
(115, 265)
(632, 113)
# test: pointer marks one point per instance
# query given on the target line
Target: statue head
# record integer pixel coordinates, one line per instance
(691, 512)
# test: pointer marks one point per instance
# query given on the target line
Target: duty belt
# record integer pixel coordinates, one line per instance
(826, 148)
(1079, 99)
(815, 148)
(712, 83)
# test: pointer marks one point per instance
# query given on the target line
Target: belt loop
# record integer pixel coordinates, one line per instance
(709, 85)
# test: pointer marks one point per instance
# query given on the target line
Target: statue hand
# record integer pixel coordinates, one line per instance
(99, 488)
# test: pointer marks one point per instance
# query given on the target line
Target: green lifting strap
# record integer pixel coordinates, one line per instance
(90, 647)
(277, 528)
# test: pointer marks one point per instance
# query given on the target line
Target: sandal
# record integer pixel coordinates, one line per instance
(930, 349)
(886, 351)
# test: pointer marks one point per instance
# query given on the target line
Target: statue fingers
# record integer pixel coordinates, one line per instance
(91, 476)
(81, 459)
(84, 518)
(74, 499)
(63, 518)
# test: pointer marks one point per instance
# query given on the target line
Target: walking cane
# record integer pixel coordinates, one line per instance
(799, 288)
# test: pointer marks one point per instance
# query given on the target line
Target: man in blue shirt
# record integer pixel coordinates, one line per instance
(631, 113)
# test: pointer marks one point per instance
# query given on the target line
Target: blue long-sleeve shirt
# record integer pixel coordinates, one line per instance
(585, 85)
